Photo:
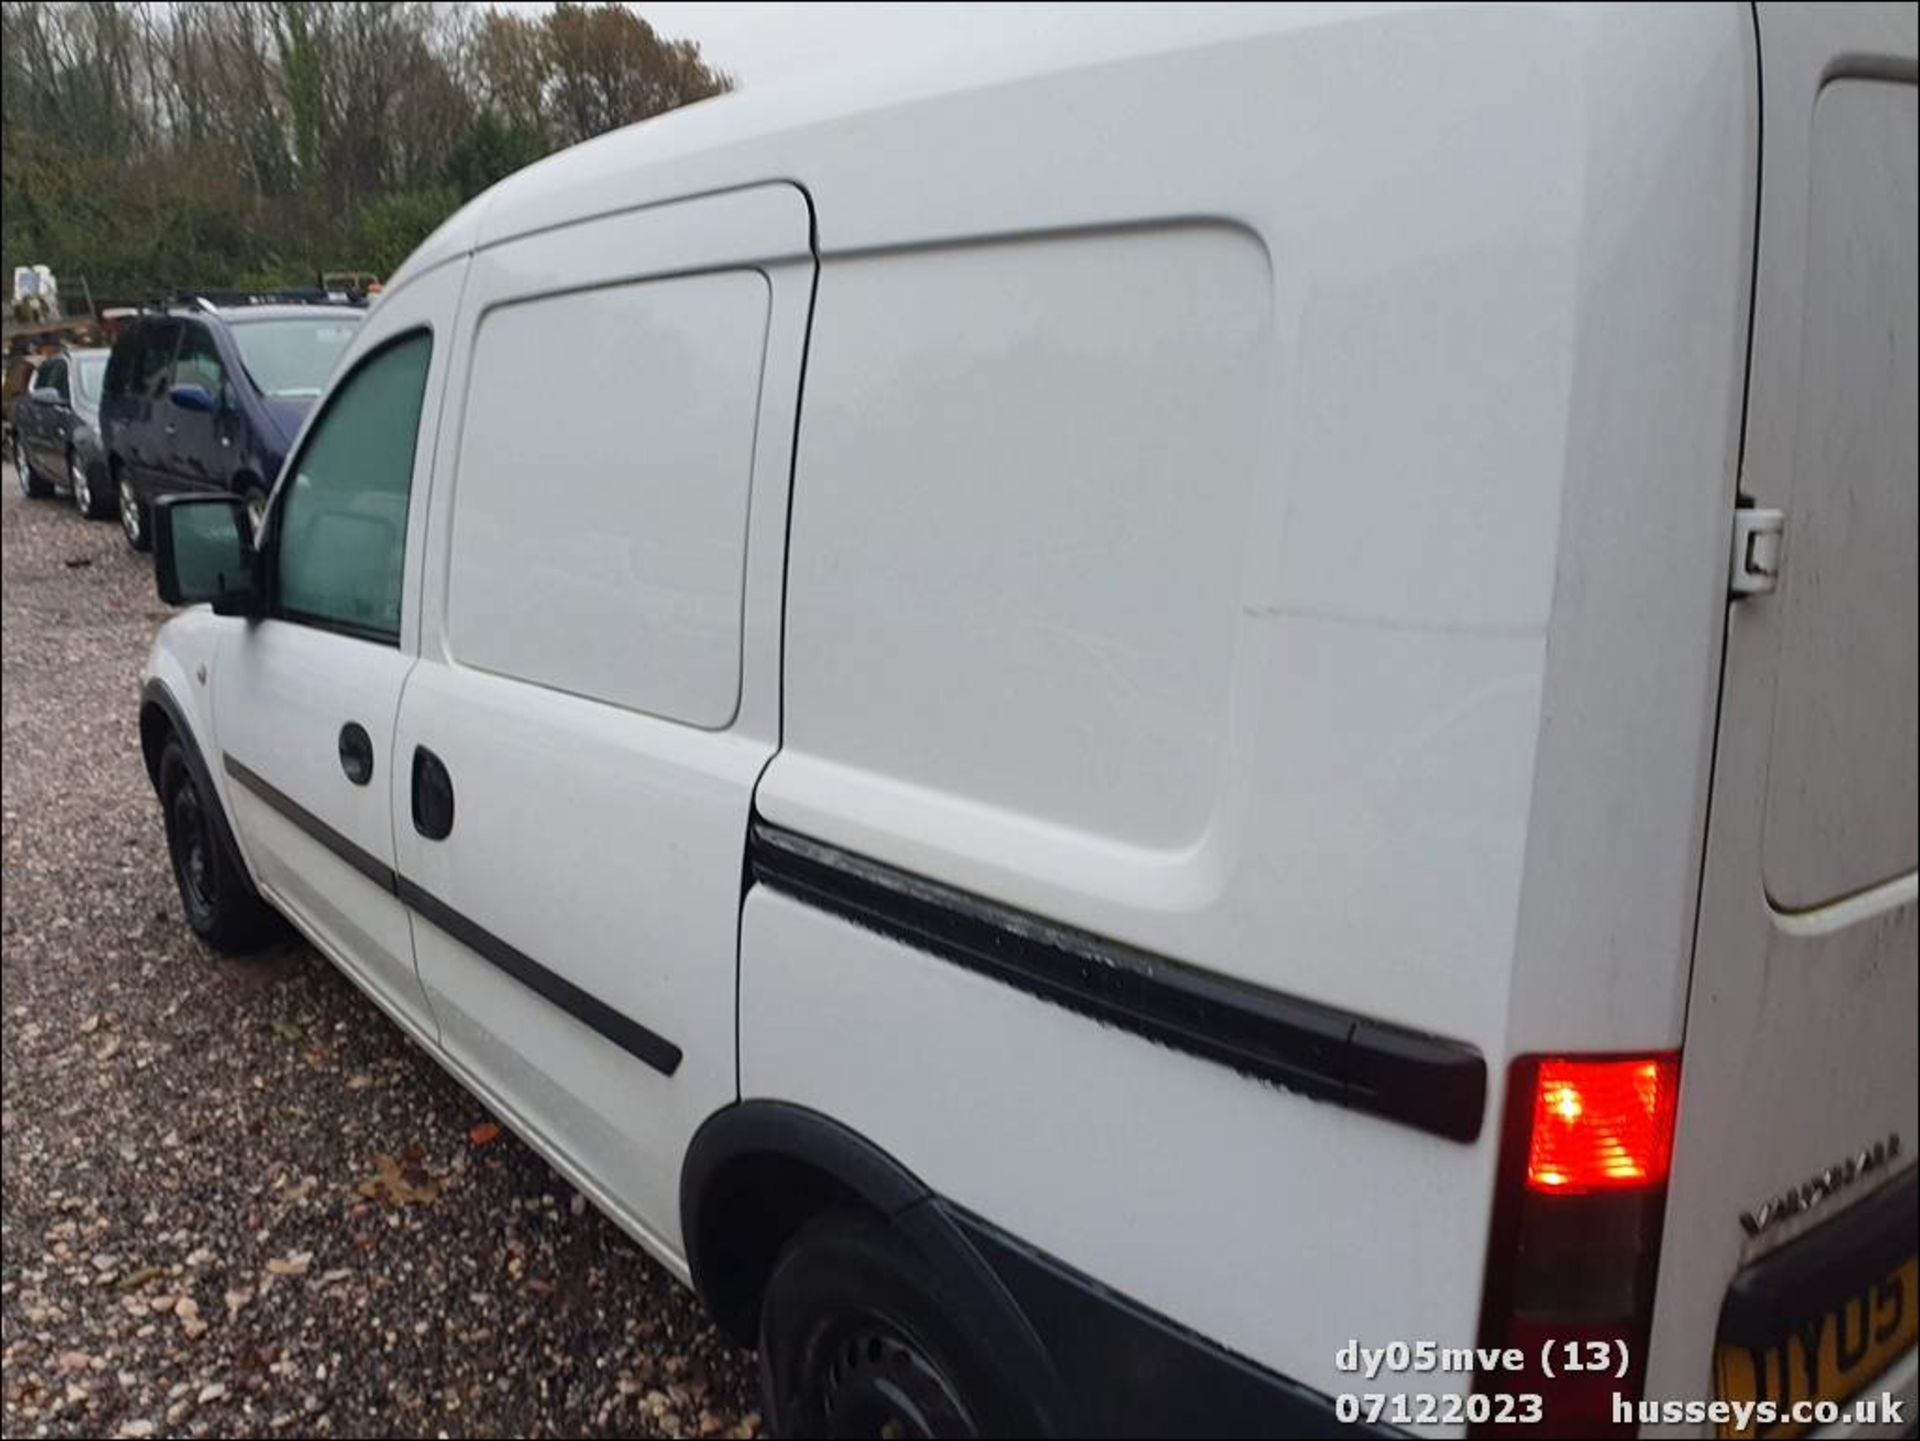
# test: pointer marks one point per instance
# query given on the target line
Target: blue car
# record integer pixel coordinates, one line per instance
(207, 398)
(56, 431)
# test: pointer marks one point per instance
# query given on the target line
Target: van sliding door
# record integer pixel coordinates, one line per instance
(598, 686)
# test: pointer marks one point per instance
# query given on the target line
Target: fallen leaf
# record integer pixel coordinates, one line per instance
(395, 1183)
(484, 1134)
(133, 1280)
(295, 1263)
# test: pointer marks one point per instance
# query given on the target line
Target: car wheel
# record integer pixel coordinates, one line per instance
(854, 1342)
(133, 516)
(222, 907)
(86, 496)
(31, 485)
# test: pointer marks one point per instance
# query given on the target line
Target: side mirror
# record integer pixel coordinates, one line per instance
(196, 398)
(46, 395)
(203, 551)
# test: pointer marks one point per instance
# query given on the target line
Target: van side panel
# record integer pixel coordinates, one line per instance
(1266, 552)
(1212, 1199)
(1501, 297)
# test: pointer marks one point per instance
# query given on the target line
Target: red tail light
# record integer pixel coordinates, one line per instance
(1576, 1234)
(1601, 1125)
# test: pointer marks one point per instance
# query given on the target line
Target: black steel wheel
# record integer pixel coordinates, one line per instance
(856, 1341)
(221, 905)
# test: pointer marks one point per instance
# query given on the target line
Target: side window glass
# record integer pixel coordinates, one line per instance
(198, 362)
(53, 376)
(123, 367)
(156, 361)
(343, 522)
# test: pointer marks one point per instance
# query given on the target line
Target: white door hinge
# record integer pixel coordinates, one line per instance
(1757, 538)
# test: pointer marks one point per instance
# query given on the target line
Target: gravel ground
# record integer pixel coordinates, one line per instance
(236, 1200)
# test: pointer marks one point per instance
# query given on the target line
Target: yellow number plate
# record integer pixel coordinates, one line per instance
(1828, 1357)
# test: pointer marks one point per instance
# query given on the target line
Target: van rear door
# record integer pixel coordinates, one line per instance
(1788, 1264)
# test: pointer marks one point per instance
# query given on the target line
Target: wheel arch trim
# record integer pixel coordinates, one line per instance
(761, 1131)
(156, 699)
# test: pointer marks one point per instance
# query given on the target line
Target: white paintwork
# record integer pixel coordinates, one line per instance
(1266, 1222)
(283, 691)
(606, 453)
(1801, 1034)
(1264, 494)
(604, 842)
(1091, 689)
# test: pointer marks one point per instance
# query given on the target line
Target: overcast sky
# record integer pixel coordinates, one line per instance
(763, 40)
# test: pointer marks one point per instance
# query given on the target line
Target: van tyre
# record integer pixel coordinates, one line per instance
(221, 904)
(31, 485)
(854, 1342)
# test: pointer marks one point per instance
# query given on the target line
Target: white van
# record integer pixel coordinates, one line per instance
(1201, 723)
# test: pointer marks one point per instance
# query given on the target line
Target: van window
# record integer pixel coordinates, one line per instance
(198, 362)
(343, 523)
(123, 369)
(600, 511)
(291, 359)
(156, 359)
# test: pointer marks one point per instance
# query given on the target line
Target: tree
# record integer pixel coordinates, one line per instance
(492, 149)
(259, 141)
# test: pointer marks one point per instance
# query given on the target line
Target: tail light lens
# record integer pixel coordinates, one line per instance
(1601, 1125)
(1576, 1234)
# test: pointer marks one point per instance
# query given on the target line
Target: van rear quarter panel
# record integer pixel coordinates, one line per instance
(1313, 677)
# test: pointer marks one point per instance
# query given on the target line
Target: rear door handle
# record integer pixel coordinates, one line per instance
(432, 795)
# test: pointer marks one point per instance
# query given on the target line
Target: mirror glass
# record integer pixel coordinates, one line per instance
(212, 554)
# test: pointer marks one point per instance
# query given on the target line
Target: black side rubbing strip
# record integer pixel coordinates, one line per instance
(623, 1031)
(656, 1051)
(374, 870)
(1423, 1081)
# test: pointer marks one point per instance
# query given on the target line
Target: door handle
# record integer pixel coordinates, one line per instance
(432, 795)
(356, 753)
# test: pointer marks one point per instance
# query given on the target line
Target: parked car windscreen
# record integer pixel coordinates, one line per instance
(293, 357)
(89, 371)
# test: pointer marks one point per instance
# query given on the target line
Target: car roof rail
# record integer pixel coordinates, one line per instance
(212, 302)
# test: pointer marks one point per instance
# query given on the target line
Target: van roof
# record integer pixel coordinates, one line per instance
(841, 129)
